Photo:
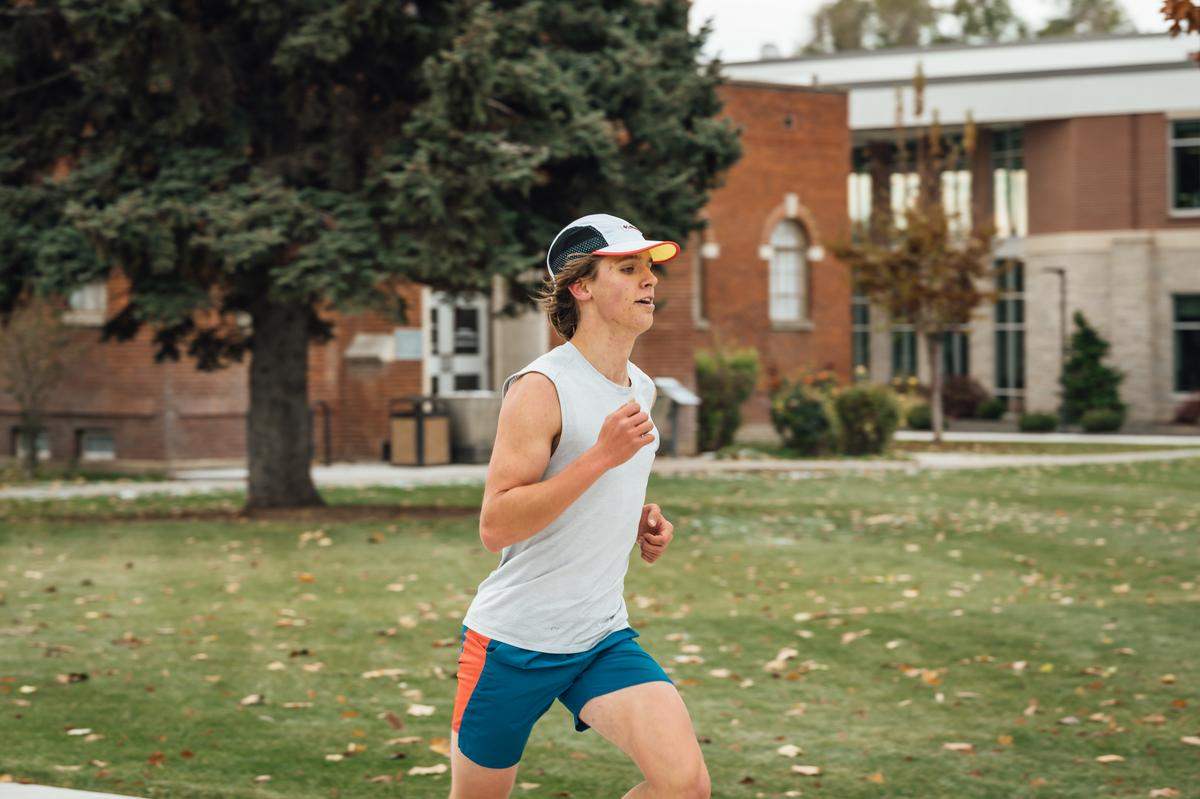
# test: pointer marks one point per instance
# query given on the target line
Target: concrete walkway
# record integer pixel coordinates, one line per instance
(365, 475)
(16, 790)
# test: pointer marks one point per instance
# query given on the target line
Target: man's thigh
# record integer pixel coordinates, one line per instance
(651, 724)
(469, 780)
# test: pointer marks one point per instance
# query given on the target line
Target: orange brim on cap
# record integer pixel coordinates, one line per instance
(660, 251)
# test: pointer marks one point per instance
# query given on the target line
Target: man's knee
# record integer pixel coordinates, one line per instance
(688, 781)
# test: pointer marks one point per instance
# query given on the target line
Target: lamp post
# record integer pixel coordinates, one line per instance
(1062, 327)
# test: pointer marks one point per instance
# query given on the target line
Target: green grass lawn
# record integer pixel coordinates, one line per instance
(901, 449)
(1042, 617)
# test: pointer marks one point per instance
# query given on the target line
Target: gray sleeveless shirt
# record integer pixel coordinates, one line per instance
(562, 589)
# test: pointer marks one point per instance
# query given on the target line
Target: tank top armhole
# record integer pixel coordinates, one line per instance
(549, 373)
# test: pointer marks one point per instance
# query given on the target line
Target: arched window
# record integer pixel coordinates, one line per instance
(789, 273)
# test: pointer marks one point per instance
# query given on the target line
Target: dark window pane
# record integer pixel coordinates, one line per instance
(862, 349)
(1019, 358)
(466, 330)
(1017, 311)
(1187, 307)
(1018, 276)
(1187, 360)
(433, 384)
(1186, 191)
(1186, 129)
(1002, 379)
(466, 382)
(861, 313)
(433, 328)
(1002, 310)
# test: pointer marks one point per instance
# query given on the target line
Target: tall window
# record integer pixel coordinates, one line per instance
(858, 193)
(904, 191)
(788, 276)
(860, 331)
(1010, 329)
(1185, 165)
(904, 350)
(1187, 342)
(956, 353)
(956, 200)
(1008, 183)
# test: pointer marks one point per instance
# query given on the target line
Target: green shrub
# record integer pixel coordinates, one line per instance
(1102, 420)
(992, 408)
(1038, 422)
(724, 380)
(802, 419)
(920, 417)
(1087, 384)
(866, 417)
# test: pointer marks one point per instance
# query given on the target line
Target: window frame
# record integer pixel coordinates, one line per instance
(860, 331)
(1008, 329)
(905, 329)
(801, 275)
(1172, 143)
(1177, 327)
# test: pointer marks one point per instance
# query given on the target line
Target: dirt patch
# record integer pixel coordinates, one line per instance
(318, 515)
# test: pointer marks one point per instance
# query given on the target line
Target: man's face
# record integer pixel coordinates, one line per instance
(619, 283)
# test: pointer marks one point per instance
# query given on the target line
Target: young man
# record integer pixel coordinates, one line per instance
(563, 505)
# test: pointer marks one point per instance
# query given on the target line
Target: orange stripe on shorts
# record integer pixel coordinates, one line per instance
(470, 666)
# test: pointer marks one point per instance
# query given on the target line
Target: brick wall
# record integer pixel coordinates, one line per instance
(1099, 173)
(795, 141)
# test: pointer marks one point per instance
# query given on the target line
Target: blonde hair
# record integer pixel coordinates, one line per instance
(555, 299)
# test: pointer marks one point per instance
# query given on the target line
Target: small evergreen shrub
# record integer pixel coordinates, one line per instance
(867, 417)
(992, 408)
(920, 417)
(801, 417)
(724, 380)
(1087, 384)
(1038, 422)
(1102, 420)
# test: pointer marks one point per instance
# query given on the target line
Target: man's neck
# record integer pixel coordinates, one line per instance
(608, 353)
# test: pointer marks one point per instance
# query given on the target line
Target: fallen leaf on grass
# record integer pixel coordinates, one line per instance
(440, 768)
(1193, 740)
(807, 771)
(421, 710)
(956, 746)
(440, 745)
(790, 750)
(1163, 793)
(877, 778)
(1110, 759)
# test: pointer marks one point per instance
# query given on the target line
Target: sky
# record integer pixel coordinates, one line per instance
(741, 27)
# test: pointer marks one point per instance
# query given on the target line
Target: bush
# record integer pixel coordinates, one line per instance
(961, 396)
(1087, 384)
(1188, 411)
(866, 418)
(1038, 422)
(802, 419)
(920, 417)
(1102, 420)
(992, 408)
(724, 380)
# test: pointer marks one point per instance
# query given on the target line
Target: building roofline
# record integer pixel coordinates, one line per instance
(824, 88)
(943, 48)
(1032, 74)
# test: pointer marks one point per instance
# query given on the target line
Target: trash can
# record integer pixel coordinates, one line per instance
(420, 431)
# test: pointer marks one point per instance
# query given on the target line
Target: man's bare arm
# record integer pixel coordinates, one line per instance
(516, 505)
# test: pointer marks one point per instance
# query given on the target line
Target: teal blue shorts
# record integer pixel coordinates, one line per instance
(503, 690)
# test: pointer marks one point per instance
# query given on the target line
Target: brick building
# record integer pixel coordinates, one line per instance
(757, 277)
(1088, 165)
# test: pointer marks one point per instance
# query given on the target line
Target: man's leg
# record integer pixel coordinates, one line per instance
(650, 723)
(469, 780)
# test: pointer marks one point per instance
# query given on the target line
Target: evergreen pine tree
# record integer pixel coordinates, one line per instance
(272, 160)
(1086, 382)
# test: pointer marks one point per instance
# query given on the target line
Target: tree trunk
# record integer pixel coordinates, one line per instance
(30, 426)
(279, 425)
(933, 345)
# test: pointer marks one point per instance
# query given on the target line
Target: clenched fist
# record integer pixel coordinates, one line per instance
(625, 431)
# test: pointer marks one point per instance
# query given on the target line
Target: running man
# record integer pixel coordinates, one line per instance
(563, 505)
